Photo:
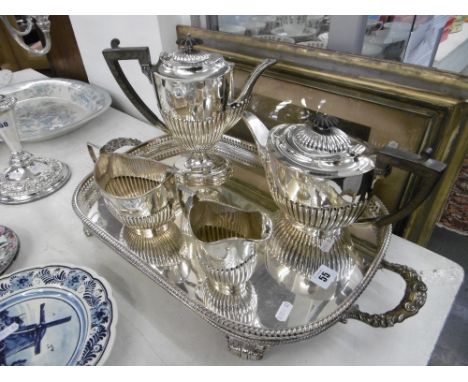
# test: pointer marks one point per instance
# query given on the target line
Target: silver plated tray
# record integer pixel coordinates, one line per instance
(50, 108)
(282, 303)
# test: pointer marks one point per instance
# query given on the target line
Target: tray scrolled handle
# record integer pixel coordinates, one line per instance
(412, 301)
(115, 54)
(111, 146)
(423, 166)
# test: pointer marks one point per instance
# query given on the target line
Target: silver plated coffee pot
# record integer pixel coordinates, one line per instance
(195, 95)
(322, 179)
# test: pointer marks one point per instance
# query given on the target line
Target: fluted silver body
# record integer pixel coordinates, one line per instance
(239, 307)
(318, 179)
(306, 253)
(138, 192)
(159, 250)
(322, 218)
(201, 134)
(293, 256)
(226, 239)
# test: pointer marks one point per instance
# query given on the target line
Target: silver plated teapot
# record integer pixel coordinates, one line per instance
(195, 95)
(322, 179)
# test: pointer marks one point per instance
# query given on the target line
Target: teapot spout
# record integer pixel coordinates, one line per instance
(250, 83)
(259, 132)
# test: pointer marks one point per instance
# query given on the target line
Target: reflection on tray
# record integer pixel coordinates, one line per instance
(293, 257)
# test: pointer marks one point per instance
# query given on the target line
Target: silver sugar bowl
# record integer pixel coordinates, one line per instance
(138, 192)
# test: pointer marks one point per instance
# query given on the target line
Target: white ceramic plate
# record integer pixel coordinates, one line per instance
(55, 315)
(50, 108)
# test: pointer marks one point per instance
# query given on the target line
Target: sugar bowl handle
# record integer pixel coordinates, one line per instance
(428, 170)
(413, 300)
(111, 146)
(115, 54)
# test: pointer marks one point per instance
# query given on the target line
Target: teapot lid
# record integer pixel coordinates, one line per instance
(190, 64)
(320, 147)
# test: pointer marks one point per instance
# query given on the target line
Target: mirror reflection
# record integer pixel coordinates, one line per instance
(432, 41)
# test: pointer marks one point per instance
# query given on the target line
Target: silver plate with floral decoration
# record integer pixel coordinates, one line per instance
(50, 108)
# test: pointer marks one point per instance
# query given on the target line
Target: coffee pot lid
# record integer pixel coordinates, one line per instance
(321, 147)
(189, 63)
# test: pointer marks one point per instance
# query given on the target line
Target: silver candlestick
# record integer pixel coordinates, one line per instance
(28, 177)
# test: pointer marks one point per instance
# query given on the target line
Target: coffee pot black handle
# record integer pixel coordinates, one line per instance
(115, 54)
(428, 170)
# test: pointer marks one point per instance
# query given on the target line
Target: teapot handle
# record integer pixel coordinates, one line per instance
(112, 56)
(427, 169)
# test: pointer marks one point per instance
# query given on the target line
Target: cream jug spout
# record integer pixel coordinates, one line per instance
(259, 132)
(250, 83)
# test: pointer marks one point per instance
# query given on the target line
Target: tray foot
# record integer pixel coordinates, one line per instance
(246, 350)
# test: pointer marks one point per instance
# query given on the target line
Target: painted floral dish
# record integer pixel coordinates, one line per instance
(55, 315)
(53, 107)
(9, 247)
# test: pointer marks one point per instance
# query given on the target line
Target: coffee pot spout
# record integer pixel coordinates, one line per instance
(250, 83)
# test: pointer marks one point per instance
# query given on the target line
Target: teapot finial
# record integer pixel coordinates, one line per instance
(321, 104)
(322, 122)
(188, 42)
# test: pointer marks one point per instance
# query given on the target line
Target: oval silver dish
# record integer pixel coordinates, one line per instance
(53, 107)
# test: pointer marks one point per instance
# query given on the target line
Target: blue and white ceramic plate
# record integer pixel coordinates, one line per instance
(53, 107)
(55, 315)
(9, 247)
